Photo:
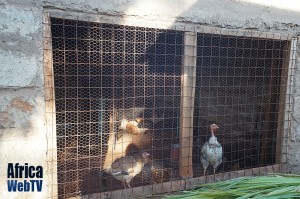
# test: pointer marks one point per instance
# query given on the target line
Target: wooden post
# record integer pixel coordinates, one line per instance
(188, 82)
(51, 170)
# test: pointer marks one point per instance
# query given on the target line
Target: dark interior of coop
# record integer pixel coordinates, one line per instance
(105, 73)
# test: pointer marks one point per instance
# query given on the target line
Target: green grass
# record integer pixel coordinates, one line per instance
(275, 186)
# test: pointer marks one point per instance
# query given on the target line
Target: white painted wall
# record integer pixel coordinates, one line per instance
(22, 107)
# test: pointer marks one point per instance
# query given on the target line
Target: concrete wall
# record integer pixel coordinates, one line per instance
(22, 104)
(22, 122)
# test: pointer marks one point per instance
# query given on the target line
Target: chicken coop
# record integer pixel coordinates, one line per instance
(119, 91)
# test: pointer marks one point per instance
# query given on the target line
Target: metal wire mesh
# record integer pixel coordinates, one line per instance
(238, 87)
(106, 75)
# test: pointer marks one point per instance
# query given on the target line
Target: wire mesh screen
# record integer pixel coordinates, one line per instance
(124, 97)
(117, 94)
(238, 87)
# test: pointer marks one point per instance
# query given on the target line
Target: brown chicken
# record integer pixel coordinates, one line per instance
(125, 168)
(132, 126)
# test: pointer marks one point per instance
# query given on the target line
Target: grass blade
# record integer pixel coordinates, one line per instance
(274, 186)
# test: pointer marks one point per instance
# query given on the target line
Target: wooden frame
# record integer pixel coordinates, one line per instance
(188, 84)
(186, 114)
(51, 170)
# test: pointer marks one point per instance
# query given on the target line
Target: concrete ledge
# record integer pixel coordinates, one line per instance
(178, 185)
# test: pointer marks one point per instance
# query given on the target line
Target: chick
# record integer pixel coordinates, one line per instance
(127, 167)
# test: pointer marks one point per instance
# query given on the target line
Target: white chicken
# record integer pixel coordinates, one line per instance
(211, 152)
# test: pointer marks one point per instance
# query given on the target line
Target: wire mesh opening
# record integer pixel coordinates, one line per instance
(105, 74)
(238, 86)
(109, 76)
